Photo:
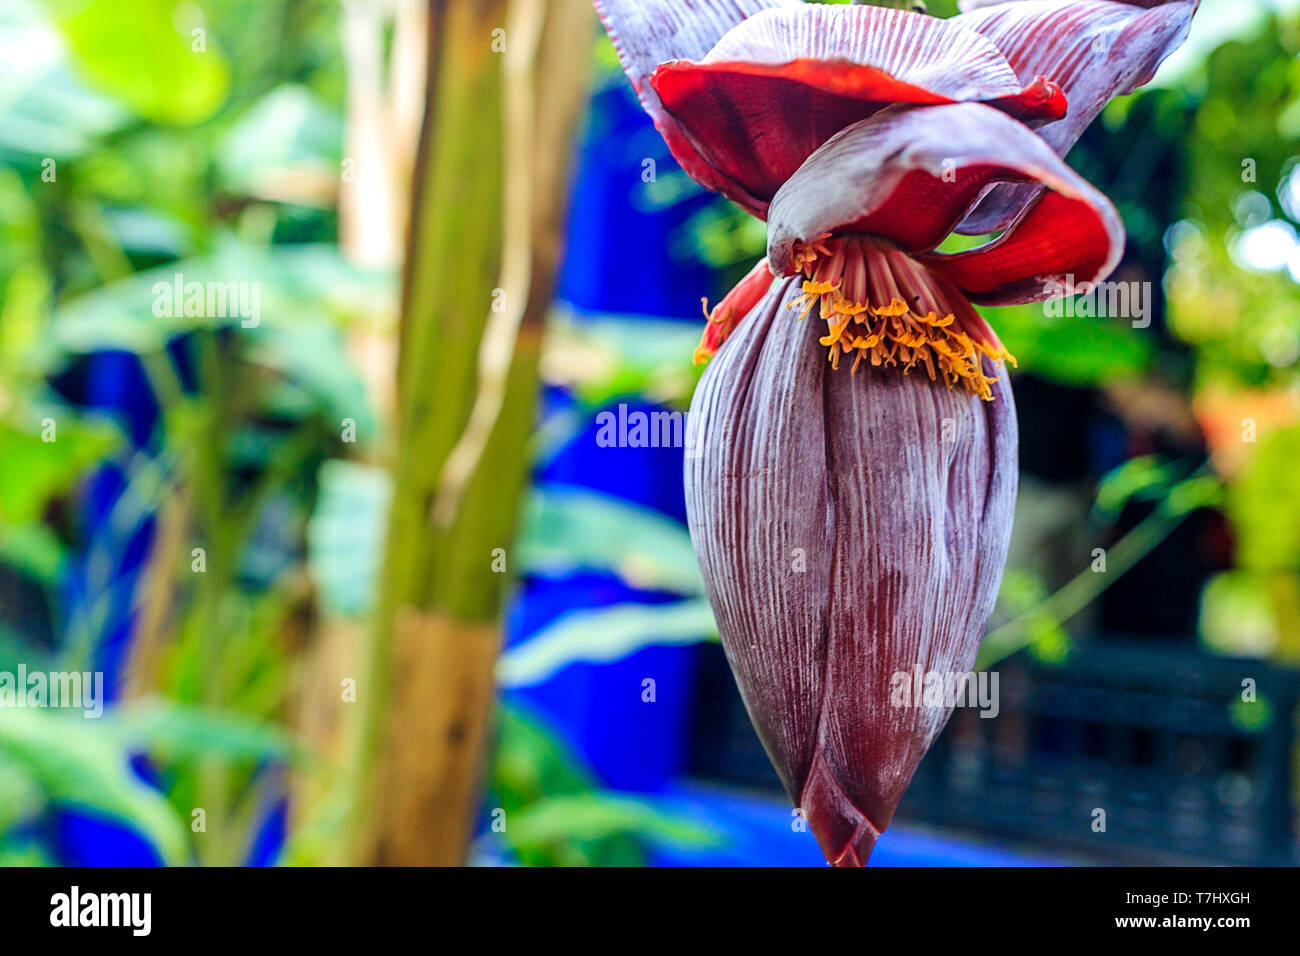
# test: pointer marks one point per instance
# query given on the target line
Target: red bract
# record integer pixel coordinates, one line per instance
(852, 528)
(781, 83)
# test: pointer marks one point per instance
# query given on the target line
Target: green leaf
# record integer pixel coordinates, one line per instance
(296, 287)
(315, 359)
(1264, 506)
(165, 70)
(531, 762)
(148, 233)
(619, 356)
(44, 110)
(556, 815)
(31, 549)
(567, 531)
(1131, 479)
(285, 131)
(1072, 350)
(35, 470)
(81, 763)
(602, 635)
(600, 815)
(20, 793)
(1201, 491)
(23, 855)
(179, 732)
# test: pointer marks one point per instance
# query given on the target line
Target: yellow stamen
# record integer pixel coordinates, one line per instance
(836, 332)
(928, 332)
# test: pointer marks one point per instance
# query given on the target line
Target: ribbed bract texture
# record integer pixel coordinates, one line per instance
(927, 51)
(849, 527)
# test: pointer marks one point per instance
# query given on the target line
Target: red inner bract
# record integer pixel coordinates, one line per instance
(757, 122)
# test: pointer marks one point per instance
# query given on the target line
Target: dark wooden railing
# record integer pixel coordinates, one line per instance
(1165, 740)
(1190, 757)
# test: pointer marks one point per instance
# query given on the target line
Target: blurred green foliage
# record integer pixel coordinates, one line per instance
(559, 816)
(208, 143)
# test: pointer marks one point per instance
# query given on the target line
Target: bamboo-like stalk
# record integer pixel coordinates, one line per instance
(482, 250)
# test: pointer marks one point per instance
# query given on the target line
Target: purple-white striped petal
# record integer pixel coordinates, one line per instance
(918, 49)
(850, 528)
(910, 175)
(782, 82)
(647, 33)
(1095, 49)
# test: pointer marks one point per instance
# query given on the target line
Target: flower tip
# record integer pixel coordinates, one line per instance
(843, 832)
(1050, 95)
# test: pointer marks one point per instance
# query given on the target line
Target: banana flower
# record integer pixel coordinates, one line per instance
(851, 498)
